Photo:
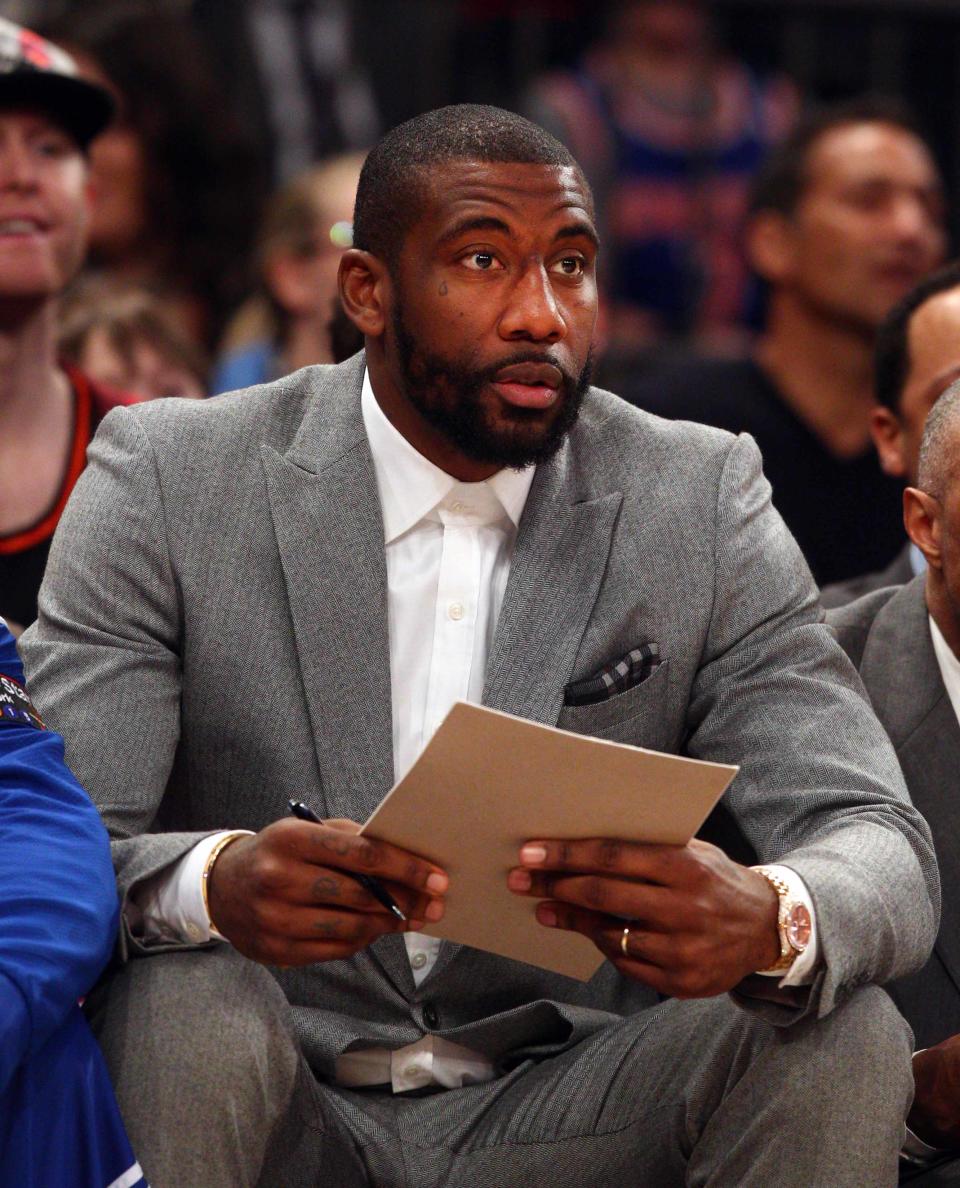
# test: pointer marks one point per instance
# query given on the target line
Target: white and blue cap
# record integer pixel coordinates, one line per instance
(36, 73)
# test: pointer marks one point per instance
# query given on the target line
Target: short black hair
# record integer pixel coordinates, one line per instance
(390, 191)
(783, 178)
(892, 351)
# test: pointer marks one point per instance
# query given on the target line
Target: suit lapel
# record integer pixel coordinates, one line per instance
(329, 530)
(912, 702)
(930, 764)
(558, 564)
(903, 693)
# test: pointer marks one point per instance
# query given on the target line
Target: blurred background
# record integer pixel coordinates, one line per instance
(227, 105)
(751, 260)
(225, 101)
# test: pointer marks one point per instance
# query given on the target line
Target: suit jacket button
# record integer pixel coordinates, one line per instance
(430, 1014)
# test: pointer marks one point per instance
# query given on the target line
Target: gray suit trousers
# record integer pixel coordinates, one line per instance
(215, 1092)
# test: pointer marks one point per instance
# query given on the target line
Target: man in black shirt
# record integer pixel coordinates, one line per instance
(846, 218)
(918, 358)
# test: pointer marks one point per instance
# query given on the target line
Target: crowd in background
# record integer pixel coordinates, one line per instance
(223, 192)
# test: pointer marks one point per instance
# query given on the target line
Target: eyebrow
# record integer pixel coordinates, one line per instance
(479, 223)
(578, 229)
(490, 223)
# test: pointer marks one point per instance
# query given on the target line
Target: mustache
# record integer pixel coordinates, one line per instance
(489, 374)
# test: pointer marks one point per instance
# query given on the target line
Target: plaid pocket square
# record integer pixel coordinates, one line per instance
(632, 670)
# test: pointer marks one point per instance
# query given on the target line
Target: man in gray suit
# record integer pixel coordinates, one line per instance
(278, 595)
(906, 643)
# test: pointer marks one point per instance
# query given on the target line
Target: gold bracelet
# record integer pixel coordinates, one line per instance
(211, 859)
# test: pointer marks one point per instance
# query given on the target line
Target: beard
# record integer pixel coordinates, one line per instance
(449, 396)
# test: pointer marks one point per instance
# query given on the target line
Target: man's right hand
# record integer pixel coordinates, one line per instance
(281, 896)
(935, 1114)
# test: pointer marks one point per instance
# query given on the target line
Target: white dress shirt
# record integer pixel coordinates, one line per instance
(448, 547)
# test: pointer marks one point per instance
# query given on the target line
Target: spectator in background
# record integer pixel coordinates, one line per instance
(59, 1121)
(847, 217)
(128, 338)
(670, 134)
(918, 357)
(179, 180)
(48, 411)
(286, 325)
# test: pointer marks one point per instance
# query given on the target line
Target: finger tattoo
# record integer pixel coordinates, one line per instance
(327, 887)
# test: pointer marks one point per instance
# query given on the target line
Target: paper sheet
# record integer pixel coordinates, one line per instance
(487, 782)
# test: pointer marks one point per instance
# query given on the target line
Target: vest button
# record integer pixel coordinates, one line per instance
(431, 1016)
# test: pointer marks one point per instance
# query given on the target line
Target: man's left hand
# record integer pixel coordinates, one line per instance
(698, 922)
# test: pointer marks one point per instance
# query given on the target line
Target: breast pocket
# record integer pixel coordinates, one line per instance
(640, 716)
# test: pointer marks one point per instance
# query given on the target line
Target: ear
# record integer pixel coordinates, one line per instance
(921, 518)
(365, 291)
(887, 434)
(770, 245)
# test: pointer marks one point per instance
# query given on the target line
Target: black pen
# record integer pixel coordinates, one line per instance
(379, 893)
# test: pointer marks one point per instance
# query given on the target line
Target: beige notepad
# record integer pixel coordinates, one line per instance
(487, 782)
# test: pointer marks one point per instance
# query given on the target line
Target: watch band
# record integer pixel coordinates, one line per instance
(789, 950)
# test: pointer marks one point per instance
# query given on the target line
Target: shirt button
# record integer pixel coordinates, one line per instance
(458, 507)
(430, 1014)
(194, 932)
(455, 611)
(419, 960)
(411, 1071)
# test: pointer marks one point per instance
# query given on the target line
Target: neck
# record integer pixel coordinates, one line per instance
(31, 383)
(824, 371)
(942, 611)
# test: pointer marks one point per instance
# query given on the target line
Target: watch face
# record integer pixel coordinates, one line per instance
(798, 927)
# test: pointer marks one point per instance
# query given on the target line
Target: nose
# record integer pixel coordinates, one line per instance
(912, 219)
(532, 313)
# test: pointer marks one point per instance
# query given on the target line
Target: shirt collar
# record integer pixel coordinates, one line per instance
(410, 486)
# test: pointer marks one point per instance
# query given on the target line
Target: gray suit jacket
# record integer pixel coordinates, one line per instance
(887, 636)
(213, 640)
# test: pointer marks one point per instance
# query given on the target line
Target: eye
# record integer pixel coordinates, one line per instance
(571, 265)
(52, 145)
(482, 261)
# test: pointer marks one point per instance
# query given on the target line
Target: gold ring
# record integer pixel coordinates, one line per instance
(623, 941)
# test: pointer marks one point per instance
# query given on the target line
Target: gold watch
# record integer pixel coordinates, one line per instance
(793, 923)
